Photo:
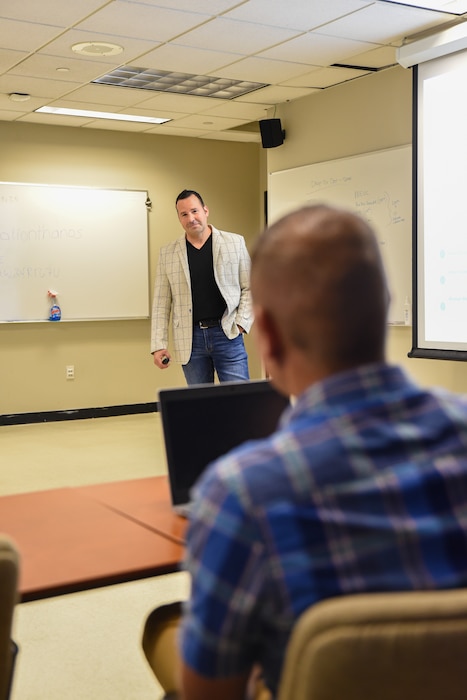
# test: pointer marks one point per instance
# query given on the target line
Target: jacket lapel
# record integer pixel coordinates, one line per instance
(215, 250)
(180, 250)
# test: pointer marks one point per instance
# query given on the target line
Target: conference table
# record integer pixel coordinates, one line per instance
(77, 538)
(146, 501)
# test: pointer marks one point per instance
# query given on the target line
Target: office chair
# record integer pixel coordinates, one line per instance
(379, 646)
(9, 568)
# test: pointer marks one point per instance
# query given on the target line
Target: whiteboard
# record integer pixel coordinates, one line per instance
(89, 245)
(376, 185)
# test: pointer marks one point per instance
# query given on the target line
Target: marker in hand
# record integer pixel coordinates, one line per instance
(165, 360)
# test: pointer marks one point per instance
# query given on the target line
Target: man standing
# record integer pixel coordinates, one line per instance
(203, 280)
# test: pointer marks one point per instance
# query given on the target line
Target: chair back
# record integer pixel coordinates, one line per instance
(379, 646)
(9, 567)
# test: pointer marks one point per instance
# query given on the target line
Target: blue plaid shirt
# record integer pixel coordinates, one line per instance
(363, 488)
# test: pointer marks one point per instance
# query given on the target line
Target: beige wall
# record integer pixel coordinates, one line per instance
(360, 116)
(111, 358)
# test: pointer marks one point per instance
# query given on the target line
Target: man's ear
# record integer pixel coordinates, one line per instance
(270, 339)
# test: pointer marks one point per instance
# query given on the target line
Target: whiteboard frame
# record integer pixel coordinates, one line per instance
(137, 309)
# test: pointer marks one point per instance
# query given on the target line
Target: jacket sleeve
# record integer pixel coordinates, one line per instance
(244, 316)
(161, 307)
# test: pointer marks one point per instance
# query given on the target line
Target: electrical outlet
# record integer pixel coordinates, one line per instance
(70, 371)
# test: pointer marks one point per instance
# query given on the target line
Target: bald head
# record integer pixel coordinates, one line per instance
(318, 273)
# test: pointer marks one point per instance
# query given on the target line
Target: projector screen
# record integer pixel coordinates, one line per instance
(440, 208)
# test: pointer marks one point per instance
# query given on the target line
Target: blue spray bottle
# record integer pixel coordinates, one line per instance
(55, 311)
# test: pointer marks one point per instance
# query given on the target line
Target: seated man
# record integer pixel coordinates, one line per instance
(362, 488)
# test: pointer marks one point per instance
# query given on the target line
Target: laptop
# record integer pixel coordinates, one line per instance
(204, 421)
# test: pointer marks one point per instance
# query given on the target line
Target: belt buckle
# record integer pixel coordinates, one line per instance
(206, 323)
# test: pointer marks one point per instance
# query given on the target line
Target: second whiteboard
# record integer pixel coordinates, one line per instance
(376, 185)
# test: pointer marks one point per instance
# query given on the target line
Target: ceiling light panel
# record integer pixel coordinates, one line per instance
(180, 83)
(117, 116)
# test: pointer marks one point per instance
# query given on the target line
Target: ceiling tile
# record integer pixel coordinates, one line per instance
(72, 69)
(105, 95)
(275, 94)
(162, 113)
(239, 110)
(176, 57)
(180, 103)
(208, 122)
(383, 23)
(209, 7)
(262, 70)
(236, 37)
(294, 14)
(376, 58)
(24, 36)
(325, 77)
(9, 58)
(38, 87)
(110, 125)
(172, 129)
(143, 22)
(7, 115)
(317, 50)
(56, 12)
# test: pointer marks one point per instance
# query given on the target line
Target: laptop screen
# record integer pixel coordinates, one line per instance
(202, 422)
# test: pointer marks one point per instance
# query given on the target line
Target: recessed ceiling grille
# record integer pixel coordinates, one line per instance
(181, 83)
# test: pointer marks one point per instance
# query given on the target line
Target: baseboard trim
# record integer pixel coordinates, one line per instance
(78, 413)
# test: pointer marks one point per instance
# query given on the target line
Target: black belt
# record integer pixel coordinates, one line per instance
(208, 322)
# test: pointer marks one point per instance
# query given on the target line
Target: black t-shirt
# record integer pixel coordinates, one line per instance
(208, 302)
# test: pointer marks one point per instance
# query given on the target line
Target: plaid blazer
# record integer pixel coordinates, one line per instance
(172, 292)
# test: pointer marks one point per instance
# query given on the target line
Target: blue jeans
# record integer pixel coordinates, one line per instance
(213, 351)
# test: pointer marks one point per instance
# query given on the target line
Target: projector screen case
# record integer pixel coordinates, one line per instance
(440, 219)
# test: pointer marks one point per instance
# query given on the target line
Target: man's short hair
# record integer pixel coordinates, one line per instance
(184, 194)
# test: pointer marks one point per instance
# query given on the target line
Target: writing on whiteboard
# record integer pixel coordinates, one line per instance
(41, 233)
(378, 187)
(24, 273)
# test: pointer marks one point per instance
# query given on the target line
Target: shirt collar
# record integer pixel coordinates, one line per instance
(366, 382)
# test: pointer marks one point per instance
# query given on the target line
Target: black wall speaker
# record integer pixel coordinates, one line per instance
(272, 134)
